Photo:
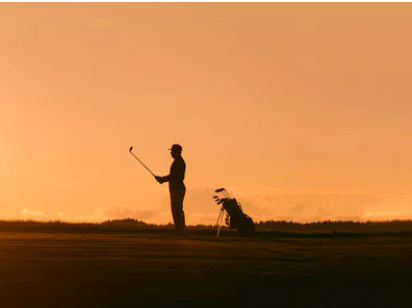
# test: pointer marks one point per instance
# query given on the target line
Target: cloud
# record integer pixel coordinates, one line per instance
(300, 205)
(26, 211)
(122, 212)
(392, 214)
(299, 208)
(322, 211)
(98, 215)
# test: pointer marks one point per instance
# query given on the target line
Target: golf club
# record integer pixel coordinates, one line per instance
(130, 150)
(222, 190)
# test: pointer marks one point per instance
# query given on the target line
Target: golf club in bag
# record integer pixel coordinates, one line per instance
(235, 217)
(130, 150)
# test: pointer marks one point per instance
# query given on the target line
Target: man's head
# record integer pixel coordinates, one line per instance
(175, 150)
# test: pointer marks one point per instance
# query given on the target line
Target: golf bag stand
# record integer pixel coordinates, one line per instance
(220, 220)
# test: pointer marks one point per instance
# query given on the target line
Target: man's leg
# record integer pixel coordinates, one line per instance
(177, 198)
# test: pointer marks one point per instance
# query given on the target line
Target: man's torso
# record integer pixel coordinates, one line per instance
(178, 170)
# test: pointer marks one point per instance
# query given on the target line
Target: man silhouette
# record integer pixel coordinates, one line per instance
(177, 188)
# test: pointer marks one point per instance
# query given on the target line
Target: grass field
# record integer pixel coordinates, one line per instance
(135, 265)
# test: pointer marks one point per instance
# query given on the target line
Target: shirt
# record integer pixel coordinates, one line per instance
(177, 174)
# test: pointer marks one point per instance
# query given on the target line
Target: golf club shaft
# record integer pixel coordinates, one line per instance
(142, 163)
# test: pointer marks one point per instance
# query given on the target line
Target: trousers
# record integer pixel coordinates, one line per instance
(176, 198)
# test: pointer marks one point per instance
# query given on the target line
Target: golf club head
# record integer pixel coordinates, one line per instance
(215, 197)
(219, 190)
(131, 148)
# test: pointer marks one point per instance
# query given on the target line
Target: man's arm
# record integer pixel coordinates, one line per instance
(163, 179)
(176, 173)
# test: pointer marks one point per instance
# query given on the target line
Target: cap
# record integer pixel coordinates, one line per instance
(176, 147)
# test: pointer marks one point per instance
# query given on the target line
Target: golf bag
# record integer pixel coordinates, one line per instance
(235, 217)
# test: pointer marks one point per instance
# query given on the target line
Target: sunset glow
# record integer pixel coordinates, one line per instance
(301, 111)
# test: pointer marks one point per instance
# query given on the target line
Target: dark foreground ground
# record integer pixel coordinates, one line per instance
(156, 269)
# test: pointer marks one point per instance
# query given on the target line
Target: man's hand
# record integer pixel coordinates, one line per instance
(159, 179)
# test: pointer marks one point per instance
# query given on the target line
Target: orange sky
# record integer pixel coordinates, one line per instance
(301, 110)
